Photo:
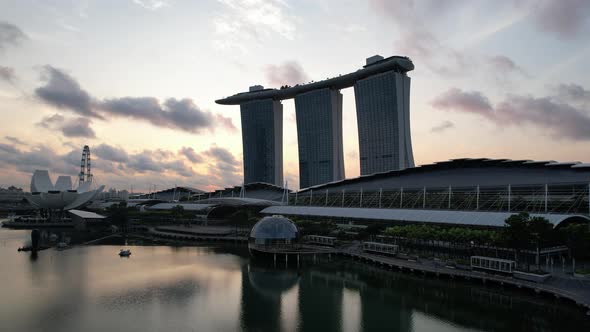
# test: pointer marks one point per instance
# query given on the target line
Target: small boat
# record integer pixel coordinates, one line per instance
(125, 253)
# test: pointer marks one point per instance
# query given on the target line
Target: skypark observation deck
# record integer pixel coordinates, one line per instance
(399, 64)
(382, 95)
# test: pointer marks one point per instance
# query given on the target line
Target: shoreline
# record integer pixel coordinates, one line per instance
(400, 265)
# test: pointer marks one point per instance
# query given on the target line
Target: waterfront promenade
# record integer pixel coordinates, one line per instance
(559, 285)
(574, 289)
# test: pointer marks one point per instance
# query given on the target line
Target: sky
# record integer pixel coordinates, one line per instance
(137, 80)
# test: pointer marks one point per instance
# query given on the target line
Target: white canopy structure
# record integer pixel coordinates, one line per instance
(61, 196)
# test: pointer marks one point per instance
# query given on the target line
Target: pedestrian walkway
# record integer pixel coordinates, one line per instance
(574, 289)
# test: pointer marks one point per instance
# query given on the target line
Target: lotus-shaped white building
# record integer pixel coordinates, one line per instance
(61, 195)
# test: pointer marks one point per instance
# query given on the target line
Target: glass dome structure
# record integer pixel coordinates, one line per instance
(273, 231)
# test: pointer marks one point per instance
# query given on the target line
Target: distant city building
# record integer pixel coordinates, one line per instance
(383, 117)
(319, 134)
(262, 138)
(382, 93)
(114, 194)
(11, 194)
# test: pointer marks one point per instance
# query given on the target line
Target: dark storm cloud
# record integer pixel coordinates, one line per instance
(222, 155)
(107, 152)
(11, 35)
(288, 73)
(63, 91)
(563, 18)
(464, 101)
(442, 127)
(7, 74)
(191, 155)
(558, 118)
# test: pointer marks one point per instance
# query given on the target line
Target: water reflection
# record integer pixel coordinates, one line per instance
(221, 289)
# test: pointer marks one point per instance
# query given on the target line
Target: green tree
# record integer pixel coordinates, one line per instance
(177, 211)
(118, 214)
(576, 238)
(516, 232)
(540, 230)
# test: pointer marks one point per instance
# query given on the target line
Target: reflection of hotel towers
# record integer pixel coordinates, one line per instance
(382, 93)
(320, 301)
(261, 297)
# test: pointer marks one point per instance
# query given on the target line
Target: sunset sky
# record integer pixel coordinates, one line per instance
(136, 80)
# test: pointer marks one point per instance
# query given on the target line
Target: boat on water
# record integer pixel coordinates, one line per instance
(125, 252)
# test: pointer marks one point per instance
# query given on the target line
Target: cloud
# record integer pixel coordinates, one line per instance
(288, 73)
(8, 148)
(10, 35)
(224, 168)
(115, 166)
(63, 91)
(222, 155)
(415, 40)
(563, 18)
(150, 161)
(38, 157)
(504, 65)
(15, 140)
(74, 127)
(191, 155)
(78, 127)
(562, 119)
(173, 113)
(558, 118)
(574, 93)
(464, 101)
(442, 127)
(111, 153)
(244, 22)
(7, 74)
(152, 4)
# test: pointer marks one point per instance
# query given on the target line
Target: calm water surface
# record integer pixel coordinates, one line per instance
(163, 288)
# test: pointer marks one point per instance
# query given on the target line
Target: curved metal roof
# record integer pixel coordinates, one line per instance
(459, 164)
(399, 63)
(470, 218)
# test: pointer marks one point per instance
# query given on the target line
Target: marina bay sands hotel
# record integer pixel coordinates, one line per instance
(382, 95)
